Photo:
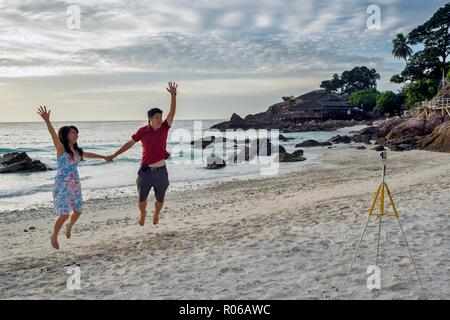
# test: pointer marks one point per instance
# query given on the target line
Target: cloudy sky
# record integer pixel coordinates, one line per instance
(228, 56)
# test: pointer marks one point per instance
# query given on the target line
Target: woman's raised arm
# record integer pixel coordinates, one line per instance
(45, 115)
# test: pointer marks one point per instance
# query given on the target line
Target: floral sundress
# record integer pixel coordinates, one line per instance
(67, 190)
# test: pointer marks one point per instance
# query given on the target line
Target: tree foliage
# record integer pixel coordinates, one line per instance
(351, 81)
(367, 99)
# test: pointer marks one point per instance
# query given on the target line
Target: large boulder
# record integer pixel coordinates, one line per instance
(386, 126)
(312, 143)
(215, 163)
(287, 157)
(284, 156)
(414, 126)
(298, 152)
(20, 162)
(438, 140)
(340, 139)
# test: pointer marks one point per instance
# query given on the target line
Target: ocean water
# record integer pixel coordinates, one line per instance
(100, 179)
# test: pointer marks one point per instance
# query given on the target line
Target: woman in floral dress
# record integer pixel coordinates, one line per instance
(67, 197)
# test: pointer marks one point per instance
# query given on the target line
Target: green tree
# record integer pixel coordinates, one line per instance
(434, 33)
(401, 49)
(350, 81)
(420, 90)
(389, 102)
(434, 36)
(367, 99)
(332, 85)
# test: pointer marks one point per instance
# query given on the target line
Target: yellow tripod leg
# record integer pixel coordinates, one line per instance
(382, 200)
(374, 201)
(392, 202)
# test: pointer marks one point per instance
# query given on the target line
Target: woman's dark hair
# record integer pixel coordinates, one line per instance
(62, 134)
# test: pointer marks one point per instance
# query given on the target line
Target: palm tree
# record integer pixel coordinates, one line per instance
(401, 48)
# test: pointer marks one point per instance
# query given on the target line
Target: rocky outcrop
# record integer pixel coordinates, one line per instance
(420, 131)
(237, 122)
(438, 140)
(20, 162)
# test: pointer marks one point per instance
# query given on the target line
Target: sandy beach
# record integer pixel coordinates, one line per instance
(290, 236)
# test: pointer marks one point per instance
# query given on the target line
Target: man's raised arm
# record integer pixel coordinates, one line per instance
(173, 102)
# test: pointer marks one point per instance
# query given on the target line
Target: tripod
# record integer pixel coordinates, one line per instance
(382, 189)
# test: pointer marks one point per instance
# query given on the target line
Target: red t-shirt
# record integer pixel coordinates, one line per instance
(153, 143)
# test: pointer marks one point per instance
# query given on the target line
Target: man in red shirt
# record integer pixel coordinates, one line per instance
(153, 170)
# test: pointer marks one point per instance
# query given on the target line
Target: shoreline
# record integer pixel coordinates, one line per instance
(312, 154)
(289, 236)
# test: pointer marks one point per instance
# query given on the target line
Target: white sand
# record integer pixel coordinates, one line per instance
(284, 237)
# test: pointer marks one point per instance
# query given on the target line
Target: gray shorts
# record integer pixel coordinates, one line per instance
(148, 177)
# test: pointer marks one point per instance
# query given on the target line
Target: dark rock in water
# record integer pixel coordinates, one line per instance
(263, 146)
(298, 152)
(308, 143)
(361, 148)
(284, 156)
(20, 162)
(287, 157)
(252, 148)
(340, 139)
(366, 134)
(312, 143)
(379, 148)
(283, 138)
(206, 141)
(361, 138)
(203, 142)
(215, 163)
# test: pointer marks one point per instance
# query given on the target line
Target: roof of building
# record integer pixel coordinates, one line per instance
(319, 99)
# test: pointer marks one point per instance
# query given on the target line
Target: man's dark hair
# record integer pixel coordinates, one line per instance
(153, 111)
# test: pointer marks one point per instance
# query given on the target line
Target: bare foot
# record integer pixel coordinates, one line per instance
(68, 231)
(155, 218)
(54, 239)
(142, 218)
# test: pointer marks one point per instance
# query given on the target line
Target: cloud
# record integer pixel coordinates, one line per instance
(215, 44)
(201, 36)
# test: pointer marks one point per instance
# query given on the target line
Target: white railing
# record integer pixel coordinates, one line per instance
(436, 104)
